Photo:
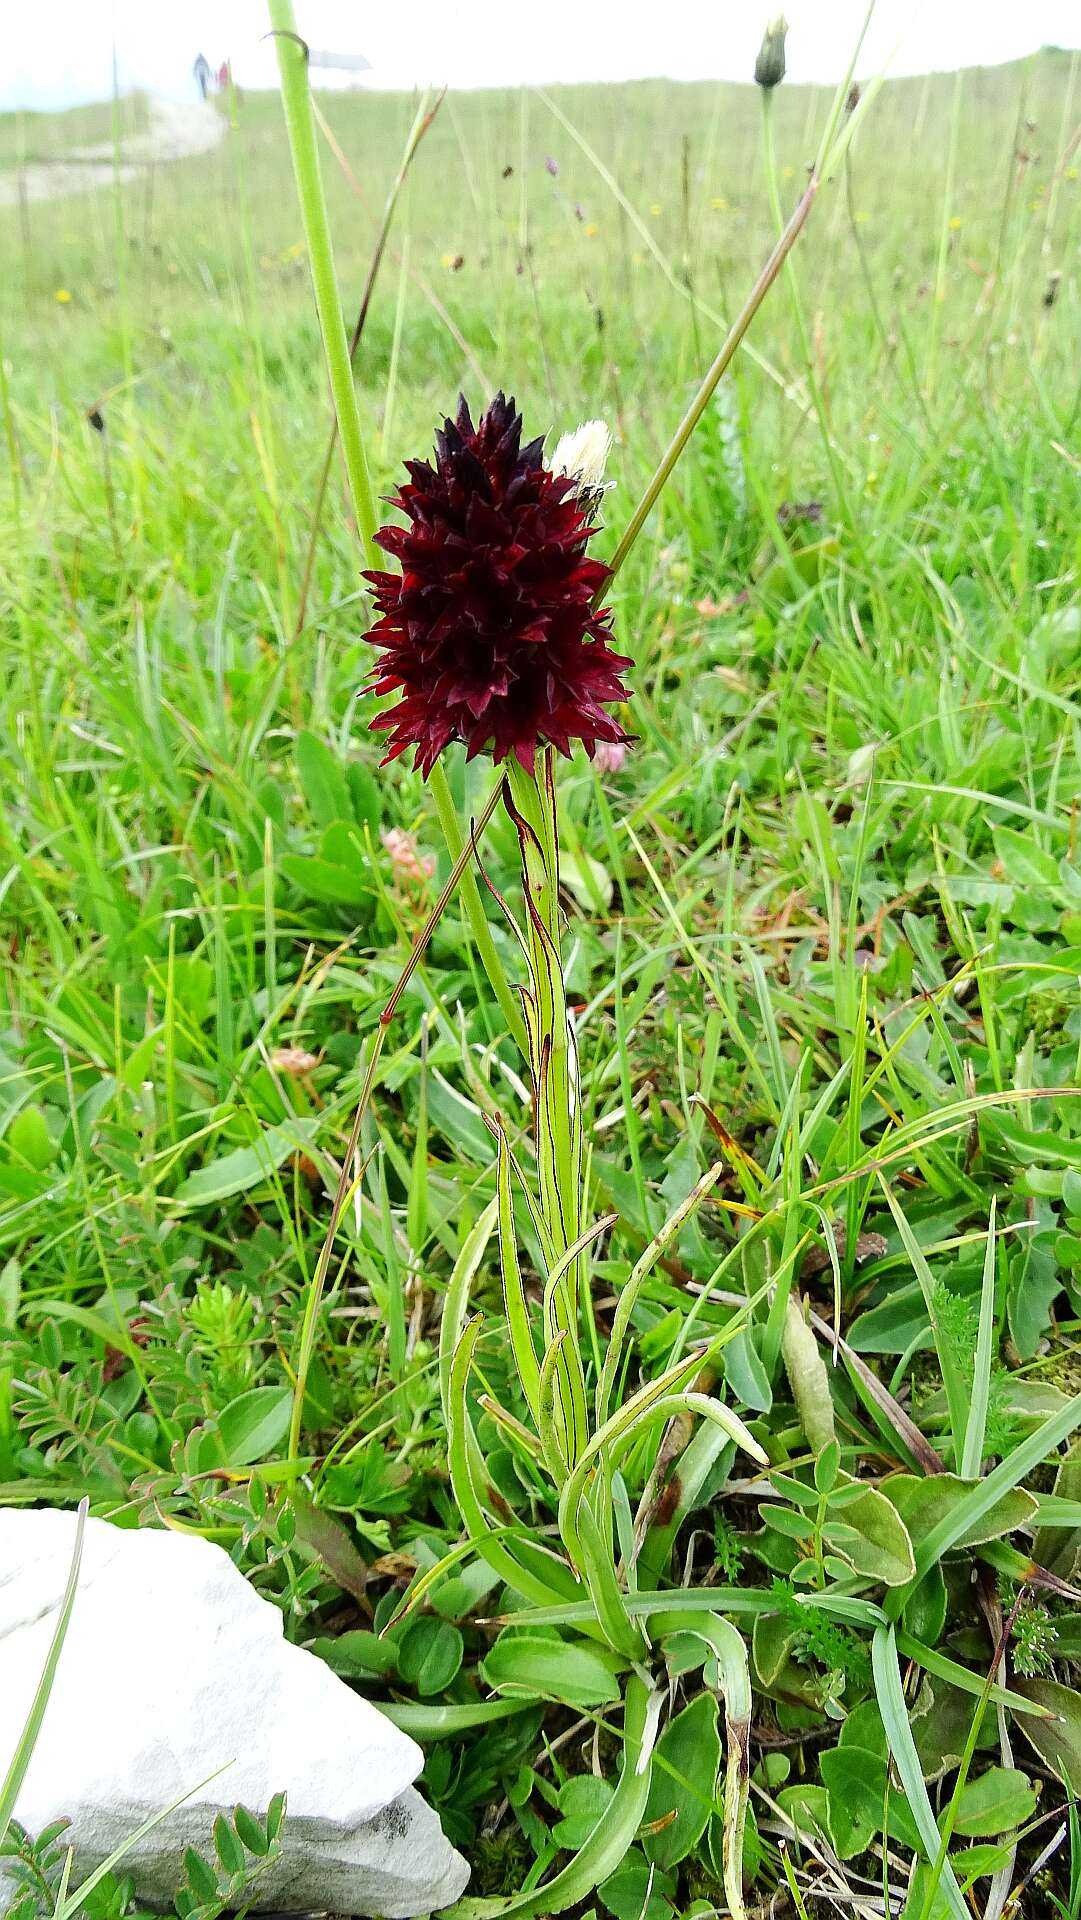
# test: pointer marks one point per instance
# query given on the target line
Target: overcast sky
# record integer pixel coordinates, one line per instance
(59, 52)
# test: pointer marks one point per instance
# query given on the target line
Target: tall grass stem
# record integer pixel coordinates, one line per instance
(300, 124)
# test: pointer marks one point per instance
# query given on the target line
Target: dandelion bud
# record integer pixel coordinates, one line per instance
(583, 455)
(769, 66)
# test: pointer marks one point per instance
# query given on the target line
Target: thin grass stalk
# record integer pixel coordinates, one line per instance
(314, 1298)
(722, 362)
(422, 121)
(395, 347)
(832, 150)
(944, 240)
(400, 259)
(13, 1779)
(814, 386)
(474, 908)
(631, 214)
(300, 124)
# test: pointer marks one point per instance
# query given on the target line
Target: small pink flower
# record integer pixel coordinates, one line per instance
(409, 866)
(610, 755)
(294, 1060)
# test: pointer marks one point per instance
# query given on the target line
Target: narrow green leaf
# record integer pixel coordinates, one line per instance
(514, 1300)
(20, 1759)
(460, 1433)
(245, 1167)
(439, 1722)
(600, 1576)
(275, 1816)
(601, 1853)
(457, 1297)
(251, 1426)
(956, 1392)
(1002, 1479)
(972, 1453)
(661, 1396)
(895, 1719)
(961, 1677)
(731, 1675)
(68, 1909)
(639, 1275)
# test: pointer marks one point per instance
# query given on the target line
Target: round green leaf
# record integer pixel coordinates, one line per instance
(252, 1426)
(429, 1654)
(684, 1783)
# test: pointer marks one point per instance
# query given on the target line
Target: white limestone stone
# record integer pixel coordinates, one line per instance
(175, 1669)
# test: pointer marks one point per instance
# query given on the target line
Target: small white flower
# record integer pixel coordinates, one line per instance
(583, 455)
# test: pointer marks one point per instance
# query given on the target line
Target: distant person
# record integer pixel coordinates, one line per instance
(201, 70)
(224, 76)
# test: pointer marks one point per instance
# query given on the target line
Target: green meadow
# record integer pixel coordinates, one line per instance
(821, 930)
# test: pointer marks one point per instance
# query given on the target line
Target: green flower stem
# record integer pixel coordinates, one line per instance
(296, 99)
(556, 1106)
(558, 1116)
(474, 907)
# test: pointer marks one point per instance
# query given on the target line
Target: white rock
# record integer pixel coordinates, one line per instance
(173, 1668)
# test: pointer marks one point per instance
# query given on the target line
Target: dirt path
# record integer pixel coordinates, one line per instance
(178, 129)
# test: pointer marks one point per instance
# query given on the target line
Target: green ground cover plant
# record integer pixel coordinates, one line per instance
(725, 1552)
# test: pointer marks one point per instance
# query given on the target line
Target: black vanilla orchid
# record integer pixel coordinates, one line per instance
(489, 631)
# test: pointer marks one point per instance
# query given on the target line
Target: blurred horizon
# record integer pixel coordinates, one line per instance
(63, 54)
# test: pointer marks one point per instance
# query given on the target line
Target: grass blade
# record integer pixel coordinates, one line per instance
(1009, 1473)
(972, 1454)
(457, 1297)
(952, 1380)
(894, 1711)
(604, 1848)
(20, 1759)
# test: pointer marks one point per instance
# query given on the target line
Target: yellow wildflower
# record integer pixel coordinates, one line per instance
(63, 296)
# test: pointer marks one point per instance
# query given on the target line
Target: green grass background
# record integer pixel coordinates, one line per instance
(858, 760)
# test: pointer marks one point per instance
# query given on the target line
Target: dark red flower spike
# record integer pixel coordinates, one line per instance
(489, 630)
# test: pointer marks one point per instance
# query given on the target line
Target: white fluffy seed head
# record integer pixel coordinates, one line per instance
(583, 455)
